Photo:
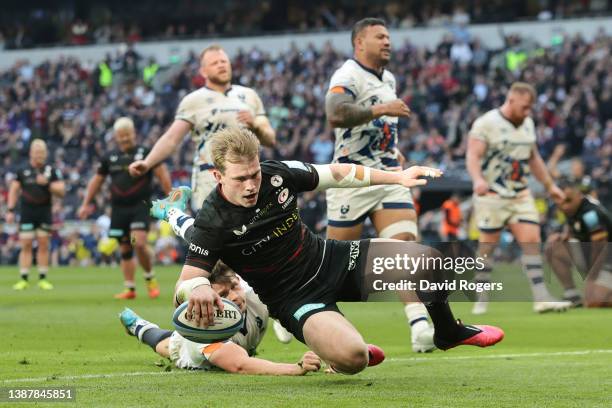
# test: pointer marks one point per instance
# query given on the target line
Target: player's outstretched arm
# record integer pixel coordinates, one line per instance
(163, 148)
(541, 173)
(234, 359)
(338, 175)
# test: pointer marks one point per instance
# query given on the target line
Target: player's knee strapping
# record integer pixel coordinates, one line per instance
(127, 255)
(399, 227)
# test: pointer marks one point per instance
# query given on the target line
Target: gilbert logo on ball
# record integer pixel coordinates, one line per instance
(226, 323)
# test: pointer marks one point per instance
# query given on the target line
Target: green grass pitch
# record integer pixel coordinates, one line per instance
(71, 337)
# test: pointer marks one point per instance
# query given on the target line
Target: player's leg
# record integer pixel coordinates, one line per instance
(42, 259)
(25, 258)
(487, 242)
(120, 230)
(598, 288)
(398, 220)
(139, 227)
(145, 259)
(172, 209)
(448, 331)
(333, 338)
(491, 215)
(559, 258)
(146, 332)
(527, 234)
(128, 268)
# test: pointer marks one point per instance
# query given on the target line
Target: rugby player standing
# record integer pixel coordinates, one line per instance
(500, 154)
(130, 198)
(36, 183)
(202, 112)
(363, 108)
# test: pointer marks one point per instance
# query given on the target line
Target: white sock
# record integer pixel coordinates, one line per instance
(483, 276)
(417, 316)
(532, 266)
(179, 221)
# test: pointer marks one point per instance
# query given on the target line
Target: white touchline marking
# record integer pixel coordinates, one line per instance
(500, 356)
(389, 360)
(91, 376)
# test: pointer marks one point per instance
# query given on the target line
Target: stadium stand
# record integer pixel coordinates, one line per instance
(94, 22)
(72, 104)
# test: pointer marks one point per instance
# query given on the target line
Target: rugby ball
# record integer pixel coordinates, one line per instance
(226, 323)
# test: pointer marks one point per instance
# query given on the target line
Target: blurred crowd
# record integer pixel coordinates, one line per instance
(57, 22)
(72, 105)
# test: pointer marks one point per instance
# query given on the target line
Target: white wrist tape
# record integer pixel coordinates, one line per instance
(358, 176)
(186, 287)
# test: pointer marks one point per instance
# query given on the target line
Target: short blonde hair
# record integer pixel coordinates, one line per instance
(523, 88)
(212, 47)
(233, 144)
(38, 143)
(123, 123)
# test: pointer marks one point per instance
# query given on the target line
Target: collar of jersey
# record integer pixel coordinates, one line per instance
(508, 120)
(224, 93)
(371, 71)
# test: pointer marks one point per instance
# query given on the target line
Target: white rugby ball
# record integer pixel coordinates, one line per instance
(225, 325)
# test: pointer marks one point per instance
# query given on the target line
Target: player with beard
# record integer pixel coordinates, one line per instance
(36, 183)
(501, 152)
(251, 222)
(202, 112)
(363, 107)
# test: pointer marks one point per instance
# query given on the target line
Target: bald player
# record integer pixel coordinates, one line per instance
(216, 105)
(36, 183)
(501, 153)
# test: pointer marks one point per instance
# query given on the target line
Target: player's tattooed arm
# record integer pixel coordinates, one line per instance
(343, 112)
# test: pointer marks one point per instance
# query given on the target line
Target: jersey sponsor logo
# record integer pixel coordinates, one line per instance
(252, 249)
(286, 225)
(198, 249)
(289, 201)
(353, 255)
(282, 197)
(240, 232)
(276, 180)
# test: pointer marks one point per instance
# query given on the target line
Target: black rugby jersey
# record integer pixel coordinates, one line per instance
(32, 193)
(267, 244)
(125, 189)
(590, 222)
